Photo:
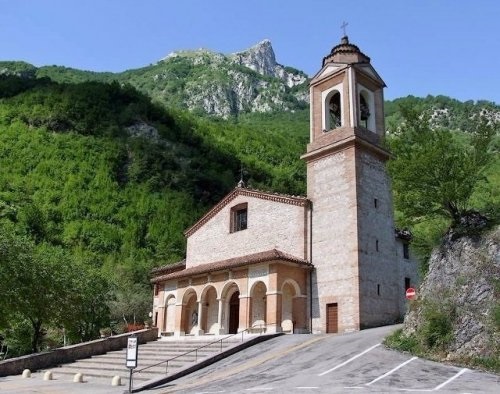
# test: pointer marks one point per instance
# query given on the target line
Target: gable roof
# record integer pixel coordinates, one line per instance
(242, 191)
(234, 262)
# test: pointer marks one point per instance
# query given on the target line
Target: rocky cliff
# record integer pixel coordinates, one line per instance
(224, 85)
(456, 315)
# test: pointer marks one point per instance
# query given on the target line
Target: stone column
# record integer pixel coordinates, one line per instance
(244, 313)
(199, 331)
(179, 321)
(160, 322)
(273, 313)
(219, 316)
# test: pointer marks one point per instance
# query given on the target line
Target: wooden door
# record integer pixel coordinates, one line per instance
(234, 313)
(332, 318)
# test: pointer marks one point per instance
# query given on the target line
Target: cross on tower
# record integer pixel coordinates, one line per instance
(343, 26)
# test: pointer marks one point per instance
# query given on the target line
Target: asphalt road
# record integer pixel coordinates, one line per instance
(355, 362)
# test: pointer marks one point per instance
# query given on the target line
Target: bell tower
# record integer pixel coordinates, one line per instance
(355, 282)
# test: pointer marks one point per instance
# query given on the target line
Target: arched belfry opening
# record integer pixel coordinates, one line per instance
(364, 110)
(334, 115)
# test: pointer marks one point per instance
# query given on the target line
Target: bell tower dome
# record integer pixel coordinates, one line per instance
(346, 98)
(356, 281)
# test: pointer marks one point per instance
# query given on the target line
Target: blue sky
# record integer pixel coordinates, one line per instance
(420, 47)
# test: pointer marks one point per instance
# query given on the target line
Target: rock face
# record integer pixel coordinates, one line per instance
(225, 85)
(463, 282)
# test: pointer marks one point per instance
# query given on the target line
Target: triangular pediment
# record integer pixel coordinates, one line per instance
(242, 191)
(326, 70)
(368, 70)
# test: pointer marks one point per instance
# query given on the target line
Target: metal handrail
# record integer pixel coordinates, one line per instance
(195, 351)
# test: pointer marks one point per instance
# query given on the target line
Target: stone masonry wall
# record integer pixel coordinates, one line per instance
(271, 225)
(331, 188)
(379, 266)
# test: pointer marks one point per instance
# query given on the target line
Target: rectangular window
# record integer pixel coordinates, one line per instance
(156, 289)
(239, 217)
(375, 203)
(407, 283)
(406, 250)
(241, 220)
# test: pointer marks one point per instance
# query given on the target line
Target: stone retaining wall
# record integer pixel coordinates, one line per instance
(68, 354)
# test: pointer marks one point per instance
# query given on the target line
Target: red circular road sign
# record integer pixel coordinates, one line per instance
(410, 293)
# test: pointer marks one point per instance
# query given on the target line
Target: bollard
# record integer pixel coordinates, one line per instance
(116, 381)
(47, 375)
(78, 378)
(26, 373)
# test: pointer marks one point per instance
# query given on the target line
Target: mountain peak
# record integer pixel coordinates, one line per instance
(260, 58)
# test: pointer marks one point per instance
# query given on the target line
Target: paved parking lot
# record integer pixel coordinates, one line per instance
(355, 362)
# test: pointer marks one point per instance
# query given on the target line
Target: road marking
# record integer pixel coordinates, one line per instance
(348, 361)
(259, 388)
(391, 371)
(462, 371)
(307, 387)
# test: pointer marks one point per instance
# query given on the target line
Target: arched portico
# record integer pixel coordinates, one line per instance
(230, 299)
(258, 307)
(210, 310)
(169, 315)
(189, 312)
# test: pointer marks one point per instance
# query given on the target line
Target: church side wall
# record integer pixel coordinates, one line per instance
(331, 188)
(379, 267)
(271, 225)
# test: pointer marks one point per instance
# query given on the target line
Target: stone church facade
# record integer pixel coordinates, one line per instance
(329, 262)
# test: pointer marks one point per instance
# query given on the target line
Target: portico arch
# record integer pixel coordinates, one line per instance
(231, 300)
(169, 317)
(258, 308)
(210, 308)
(189, 311)
(289, 290)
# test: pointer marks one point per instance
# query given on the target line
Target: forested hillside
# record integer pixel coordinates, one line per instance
(97, 185)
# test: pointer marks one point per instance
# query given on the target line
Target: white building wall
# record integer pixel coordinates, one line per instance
(271, 225)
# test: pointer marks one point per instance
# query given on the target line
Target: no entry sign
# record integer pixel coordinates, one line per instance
(410, 293)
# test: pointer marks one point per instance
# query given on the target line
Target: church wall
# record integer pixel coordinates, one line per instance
(408, 269)
(380, 287)
(331, 188)
(271, 225)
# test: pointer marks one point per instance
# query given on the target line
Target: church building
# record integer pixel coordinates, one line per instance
(326, 263)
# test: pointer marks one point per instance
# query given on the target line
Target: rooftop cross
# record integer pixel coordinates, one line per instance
(343, 26)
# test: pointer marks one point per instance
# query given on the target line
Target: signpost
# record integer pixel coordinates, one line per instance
(410, 293)
(131, 358)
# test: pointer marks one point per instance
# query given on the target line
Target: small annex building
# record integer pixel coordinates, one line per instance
(329, 262)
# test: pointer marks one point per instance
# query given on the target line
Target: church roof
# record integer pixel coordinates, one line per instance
(167, 269)
(235, 262)
(242, 191)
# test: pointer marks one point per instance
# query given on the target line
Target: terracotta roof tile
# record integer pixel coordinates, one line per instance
(235, 262)
(166, 269)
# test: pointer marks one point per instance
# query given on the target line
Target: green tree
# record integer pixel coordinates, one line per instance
(435, 171)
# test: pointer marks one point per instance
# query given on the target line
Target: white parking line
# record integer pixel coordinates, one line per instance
(307, 387)
(348, 361)
(259, 388)
(450, 379)
(391, 371)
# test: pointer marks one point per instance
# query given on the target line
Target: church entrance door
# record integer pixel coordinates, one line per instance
(332, 319)
(234, 313)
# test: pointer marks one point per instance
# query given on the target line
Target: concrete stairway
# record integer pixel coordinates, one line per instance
(106, 366)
